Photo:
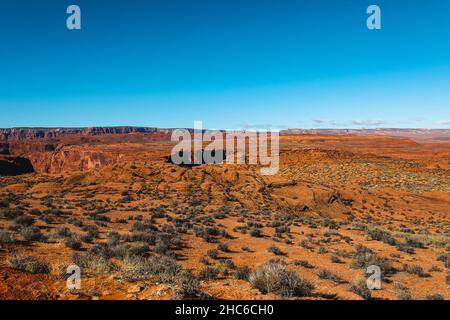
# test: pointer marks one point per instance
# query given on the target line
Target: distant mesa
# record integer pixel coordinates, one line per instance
(19, 134)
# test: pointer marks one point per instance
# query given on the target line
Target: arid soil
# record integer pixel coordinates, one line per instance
(142, 228)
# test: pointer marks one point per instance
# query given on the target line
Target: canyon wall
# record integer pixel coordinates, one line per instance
(62, 150)
(20, 134)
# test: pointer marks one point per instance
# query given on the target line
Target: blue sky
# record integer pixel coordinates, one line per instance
(229, 63)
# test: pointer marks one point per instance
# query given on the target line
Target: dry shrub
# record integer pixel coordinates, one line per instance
(28, 264)
(274, 277)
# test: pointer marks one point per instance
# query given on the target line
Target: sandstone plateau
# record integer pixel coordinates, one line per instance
(140, 227)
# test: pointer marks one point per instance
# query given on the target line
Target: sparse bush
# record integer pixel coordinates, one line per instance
(335, 259)
(328, 275)
(434, 296)
(125, 199)
(228, 263)
(93, 262)
(415, 269)
(303, 263)
(32, 234)
(402, 292)
(91, 229)
(445, 258)
(147, 237)
(87, 238)
(415, 243)
(323, 250)
(275, 250)
(360, 288)
(364, 257)
(11, 213)
(29, 264)
(101, 250)
(165, 268)
(23, 221)
(404, 247)
(139, 251)
(281, 229)
(209, 273)
(242, 273)
(223, 247)
(6, 237)
(47, 219)
(60, 270)
(76, 222)
(254, 232)
(434, 268)
(330, 223)
(61, 232)
(273, 277)
(212, 253)
(73, 243)
(35, 212)
(162, 247)
(188, 287)
(380, 235)
(4, 203)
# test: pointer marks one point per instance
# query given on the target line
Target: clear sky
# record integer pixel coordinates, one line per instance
(229, 63)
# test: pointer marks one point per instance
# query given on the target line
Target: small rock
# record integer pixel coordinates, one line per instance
(135, 289)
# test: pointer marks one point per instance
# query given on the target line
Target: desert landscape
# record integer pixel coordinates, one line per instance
(107, 200)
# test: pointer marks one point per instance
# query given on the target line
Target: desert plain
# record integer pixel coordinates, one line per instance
(139, 227)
